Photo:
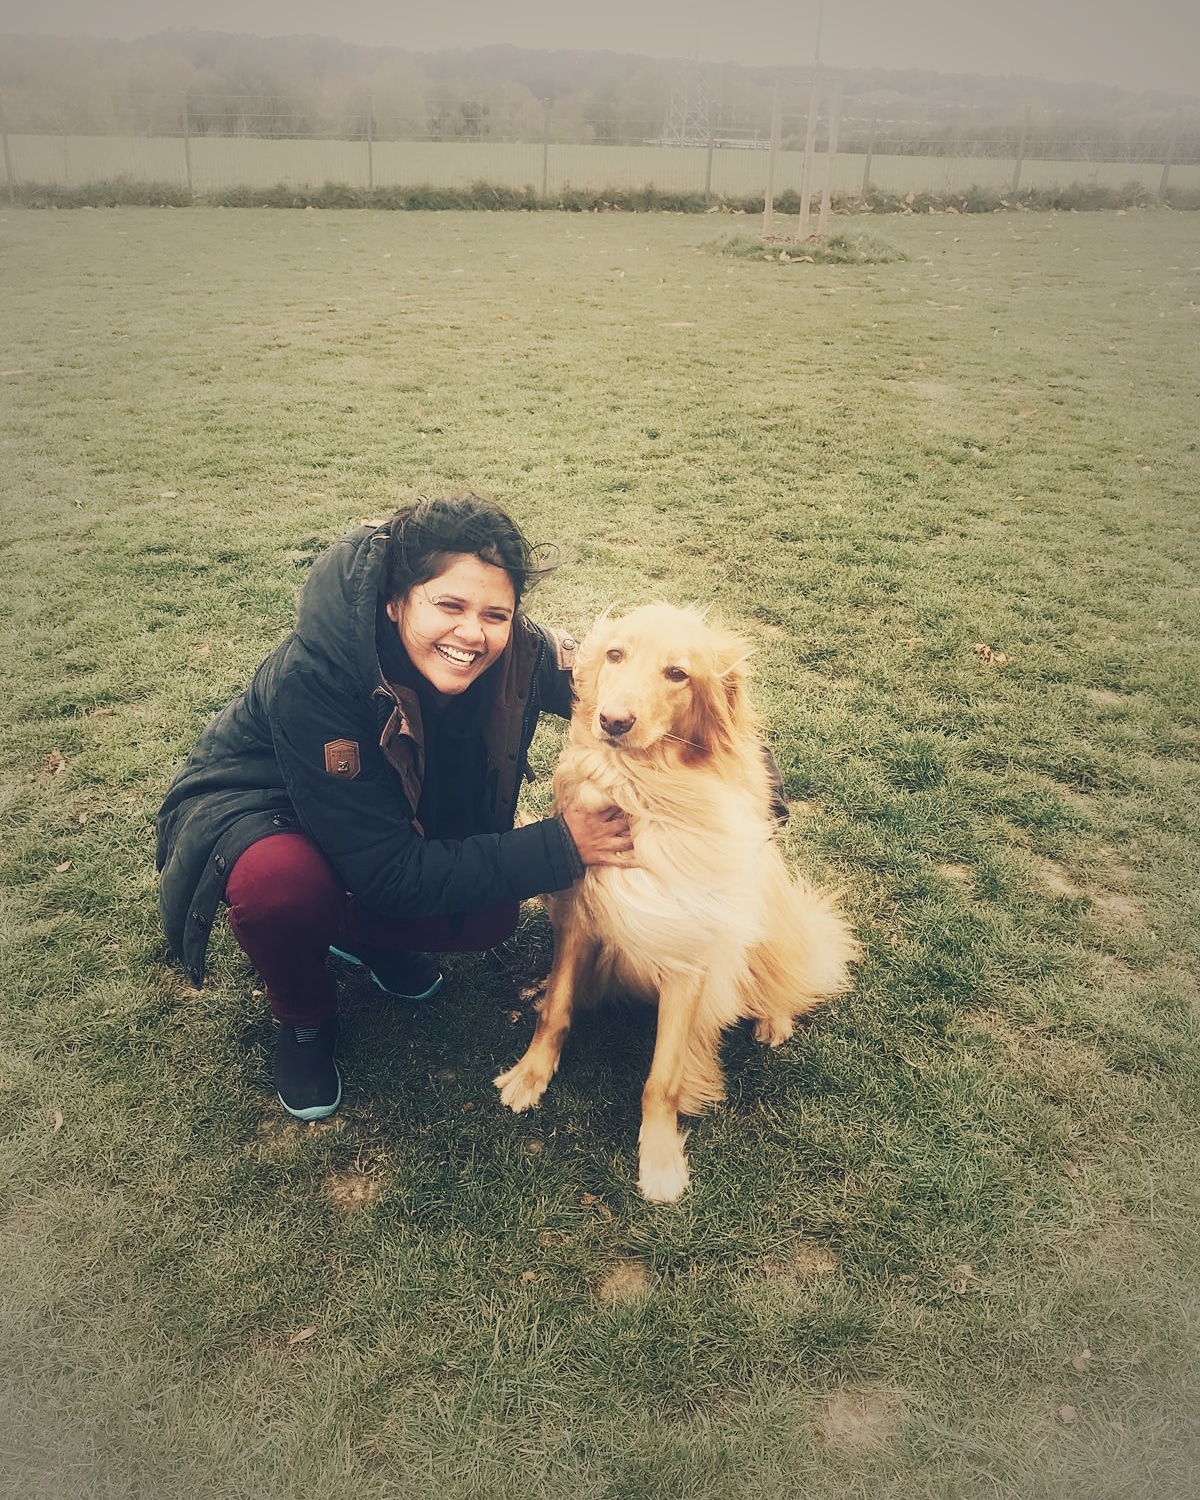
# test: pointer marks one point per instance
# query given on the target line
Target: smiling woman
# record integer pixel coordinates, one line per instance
(455, 633)
(358, 798)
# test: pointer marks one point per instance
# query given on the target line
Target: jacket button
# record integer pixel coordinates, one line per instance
(200, 919)
(280, 821)
(220, 862)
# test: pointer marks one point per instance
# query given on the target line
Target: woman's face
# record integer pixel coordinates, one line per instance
(455, 626)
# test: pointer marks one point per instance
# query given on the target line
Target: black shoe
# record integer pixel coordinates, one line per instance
(397, 971)
(306, 1076)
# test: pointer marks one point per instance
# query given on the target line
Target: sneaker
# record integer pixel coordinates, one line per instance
(397, 971)
(306, 1076)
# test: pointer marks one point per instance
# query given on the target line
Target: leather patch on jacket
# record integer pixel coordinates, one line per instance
(565, 647)
(342, 758)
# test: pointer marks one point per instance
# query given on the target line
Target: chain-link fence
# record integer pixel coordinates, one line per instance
(207, 144)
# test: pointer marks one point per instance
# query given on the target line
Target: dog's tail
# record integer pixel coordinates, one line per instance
(807, 957)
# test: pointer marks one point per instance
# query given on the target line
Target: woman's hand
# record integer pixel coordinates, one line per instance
(602, 838)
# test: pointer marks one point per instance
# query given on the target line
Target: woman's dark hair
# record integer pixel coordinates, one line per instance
(428, 532)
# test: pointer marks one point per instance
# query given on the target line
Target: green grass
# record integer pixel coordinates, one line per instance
(945, 1242)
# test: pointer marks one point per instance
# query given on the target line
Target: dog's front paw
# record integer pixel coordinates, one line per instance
(773, 1030)
(522, 1087)
(663, 1174)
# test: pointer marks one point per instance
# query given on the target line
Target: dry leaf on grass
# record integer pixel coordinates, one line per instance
(990, 655)
(302, 1337)
(63, 868)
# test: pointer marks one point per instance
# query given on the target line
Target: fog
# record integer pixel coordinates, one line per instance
(1151, 45)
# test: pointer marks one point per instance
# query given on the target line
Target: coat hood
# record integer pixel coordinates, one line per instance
(335, 615)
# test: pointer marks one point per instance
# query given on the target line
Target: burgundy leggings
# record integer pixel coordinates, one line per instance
(286, 906)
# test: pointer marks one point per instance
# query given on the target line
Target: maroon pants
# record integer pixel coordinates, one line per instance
(286, 906)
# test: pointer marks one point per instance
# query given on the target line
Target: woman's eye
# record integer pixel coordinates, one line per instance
(614, 654)
(675, 674)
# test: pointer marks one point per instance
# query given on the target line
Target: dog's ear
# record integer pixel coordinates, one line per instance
(733, 667)
(719, 715)
(587, 661)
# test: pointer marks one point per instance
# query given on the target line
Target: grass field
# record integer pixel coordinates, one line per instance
(219, 163)
(945, 1242)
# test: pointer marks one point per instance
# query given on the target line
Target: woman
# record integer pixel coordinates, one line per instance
(358, 797)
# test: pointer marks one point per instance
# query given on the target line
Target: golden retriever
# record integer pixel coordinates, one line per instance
(709, 921)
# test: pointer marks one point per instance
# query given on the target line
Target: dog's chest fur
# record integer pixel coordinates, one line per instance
(702, 848)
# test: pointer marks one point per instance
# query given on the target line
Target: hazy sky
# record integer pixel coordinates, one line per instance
(1147, 44)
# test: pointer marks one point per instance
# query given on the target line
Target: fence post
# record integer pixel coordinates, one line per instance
(8, 171)
(370, 145)
(1020, 162)
(866, 187)
(810, 140)
(545, 149)
(187, 148)
(835, 120)
(769, 200)
(1172, 140)
(708, 164)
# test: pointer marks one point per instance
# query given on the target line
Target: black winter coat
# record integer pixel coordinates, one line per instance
(320, 742)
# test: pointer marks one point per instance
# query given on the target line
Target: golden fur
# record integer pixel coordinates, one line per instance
(710, 922)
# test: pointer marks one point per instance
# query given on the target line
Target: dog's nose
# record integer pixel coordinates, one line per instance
(616, 725)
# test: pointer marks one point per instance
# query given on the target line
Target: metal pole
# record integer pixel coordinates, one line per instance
(8, 171)
(866, 187)
(545, 149)
(708, 165)
(1169, 158)
(769, 202)
(370, 145)
(810, 138)
(1016, 181)
(835, 119)
(187, 148)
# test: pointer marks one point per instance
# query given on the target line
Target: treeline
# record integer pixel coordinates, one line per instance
(308, 86)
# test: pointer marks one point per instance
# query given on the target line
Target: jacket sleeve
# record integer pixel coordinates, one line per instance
(354, 810)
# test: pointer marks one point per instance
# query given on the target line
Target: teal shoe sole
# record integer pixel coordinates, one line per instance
(400, 994)
(314, 1111)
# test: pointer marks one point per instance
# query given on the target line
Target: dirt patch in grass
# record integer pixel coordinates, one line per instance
(1014, 1037)
(624, 1282)
(351, 1190)
(802, 1263)
(862, 1416)
(1055, 879)
(1123, 910)
(1080, 801)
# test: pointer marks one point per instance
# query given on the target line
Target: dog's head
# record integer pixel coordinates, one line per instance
(664, 679)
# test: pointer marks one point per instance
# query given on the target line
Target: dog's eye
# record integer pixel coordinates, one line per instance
(614, 653)
(675, 674)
